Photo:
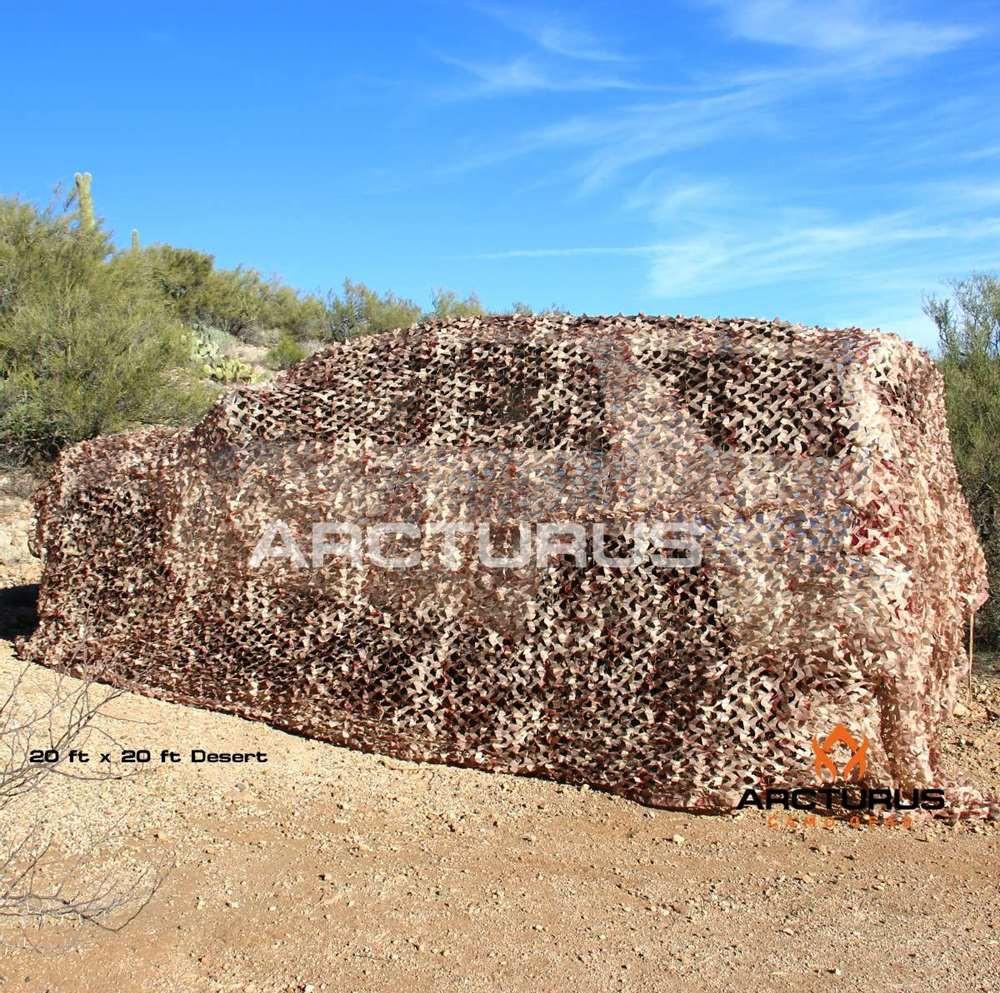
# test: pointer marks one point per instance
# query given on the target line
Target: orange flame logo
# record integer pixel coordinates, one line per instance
(855, 766)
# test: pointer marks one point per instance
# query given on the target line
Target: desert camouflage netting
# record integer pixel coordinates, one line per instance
(838, 565)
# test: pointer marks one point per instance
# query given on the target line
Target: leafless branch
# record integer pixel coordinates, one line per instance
(43, 733)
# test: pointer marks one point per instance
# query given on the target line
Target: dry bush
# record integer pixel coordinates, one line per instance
(38, 884)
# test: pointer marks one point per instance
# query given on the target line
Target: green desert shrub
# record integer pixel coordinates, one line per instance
(181, 274)
(286, 352)
(236, 301)
(230, 300)
(87, 344)
(521, 309)
(360, 310)
(299, 315)
(37, 246)
(447, 303)
(969, 335)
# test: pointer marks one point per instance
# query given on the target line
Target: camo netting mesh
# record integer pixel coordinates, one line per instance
(838, 564)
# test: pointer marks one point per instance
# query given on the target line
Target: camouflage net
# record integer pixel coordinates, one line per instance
(838, 566)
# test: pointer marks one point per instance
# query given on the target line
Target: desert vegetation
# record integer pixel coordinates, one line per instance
(95, 340)
(968, 326)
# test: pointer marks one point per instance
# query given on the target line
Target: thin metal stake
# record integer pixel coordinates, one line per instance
(972, 627)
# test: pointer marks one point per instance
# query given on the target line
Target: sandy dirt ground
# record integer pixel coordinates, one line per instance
(324, 869)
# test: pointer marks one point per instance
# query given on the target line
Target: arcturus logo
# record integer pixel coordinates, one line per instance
(840, 785)
(855, 767)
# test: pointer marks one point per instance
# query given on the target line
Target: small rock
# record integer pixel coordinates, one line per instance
(678, 839)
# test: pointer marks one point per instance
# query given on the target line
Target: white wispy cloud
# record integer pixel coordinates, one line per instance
(554, 34)
(647, 132)
(844, 38)
(663, 200)
(842, 27)
(653, 249)
(740, 258)
(609, 142)
(981, 154)
(695, 262)
(557, 47)
(841, 271)
(736, 255)
(719, 234)
(525, 74)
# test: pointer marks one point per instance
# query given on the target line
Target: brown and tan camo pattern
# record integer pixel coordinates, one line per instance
(839, 563)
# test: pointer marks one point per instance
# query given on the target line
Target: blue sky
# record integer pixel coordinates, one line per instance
(823, 162)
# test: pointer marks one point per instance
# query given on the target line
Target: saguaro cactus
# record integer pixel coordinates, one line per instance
(135, 240)
(86, 203)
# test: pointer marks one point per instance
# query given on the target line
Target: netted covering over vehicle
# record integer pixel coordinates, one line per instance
(819, 568)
